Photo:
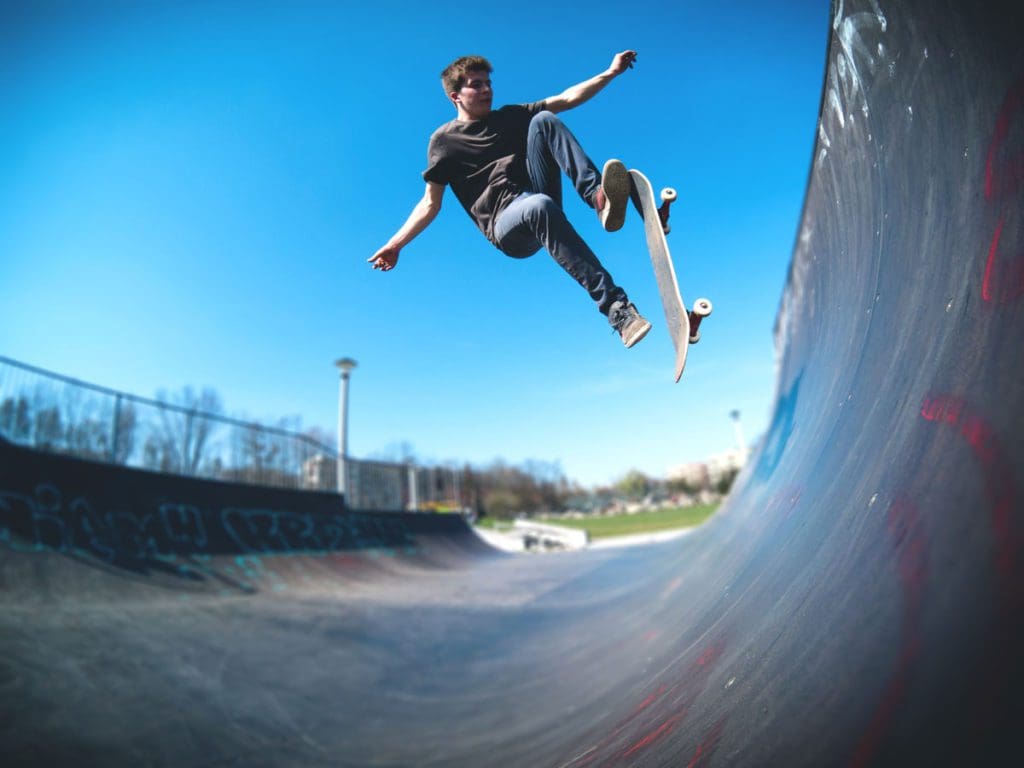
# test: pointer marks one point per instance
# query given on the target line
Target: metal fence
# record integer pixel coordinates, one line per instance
(59, 414)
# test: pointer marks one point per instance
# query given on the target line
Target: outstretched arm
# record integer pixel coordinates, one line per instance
(581, 92)
(426, 211)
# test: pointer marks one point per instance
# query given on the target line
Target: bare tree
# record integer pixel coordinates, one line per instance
(183, 441)
(48, 429)
(126, 420)
(16, 419)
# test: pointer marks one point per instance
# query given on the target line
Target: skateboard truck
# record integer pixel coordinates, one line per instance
(701, 309)
(668, 196)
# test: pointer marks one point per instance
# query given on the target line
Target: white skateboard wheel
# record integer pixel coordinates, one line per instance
(668, 195)
(702, 307)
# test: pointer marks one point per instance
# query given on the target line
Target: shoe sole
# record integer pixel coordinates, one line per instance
(615, 182)
(637, 335)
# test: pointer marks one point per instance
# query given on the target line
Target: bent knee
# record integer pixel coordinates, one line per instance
(540, 204)
(522, 250)
(545, 118)
(539, 209)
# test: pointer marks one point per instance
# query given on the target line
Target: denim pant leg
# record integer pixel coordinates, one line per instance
(551, 150)
(536, 220)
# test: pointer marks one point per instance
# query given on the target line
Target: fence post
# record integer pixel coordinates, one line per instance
(116, 436)
(414, 499)
(351, 482)
(186, 468)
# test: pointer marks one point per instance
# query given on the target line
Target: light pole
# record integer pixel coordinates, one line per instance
(345, 366)
(740, 442)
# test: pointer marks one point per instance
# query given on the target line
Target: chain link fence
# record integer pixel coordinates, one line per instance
(59, 414)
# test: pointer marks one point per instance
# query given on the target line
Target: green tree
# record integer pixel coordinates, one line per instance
(502, 504)
(635, 485)
(724, 484)
(502, 490)
(680, 485)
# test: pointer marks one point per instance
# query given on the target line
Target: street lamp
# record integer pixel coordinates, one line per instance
(740, 442)
(345, 366)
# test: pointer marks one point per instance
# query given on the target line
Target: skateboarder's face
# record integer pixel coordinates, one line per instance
(473, 100)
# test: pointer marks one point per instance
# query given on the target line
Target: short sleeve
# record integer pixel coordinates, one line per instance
(436, 171)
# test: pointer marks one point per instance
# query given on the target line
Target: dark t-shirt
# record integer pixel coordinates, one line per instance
(484, 161)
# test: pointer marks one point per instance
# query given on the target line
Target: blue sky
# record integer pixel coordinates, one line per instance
(190, 192)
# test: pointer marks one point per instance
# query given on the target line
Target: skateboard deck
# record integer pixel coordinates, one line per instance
(682, 325)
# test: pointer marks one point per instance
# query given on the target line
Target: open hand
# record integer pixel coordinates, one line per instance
(385, 259)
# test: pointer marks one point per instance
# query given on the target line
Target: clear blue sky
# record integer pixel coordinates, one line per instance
(190, 192)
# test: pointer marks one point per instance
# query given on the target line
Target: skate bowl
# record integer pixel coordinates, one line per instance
(859, 599)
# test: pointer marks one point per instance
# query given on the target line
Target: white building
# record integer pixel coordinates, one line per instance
(320, 473)
(723, 464)
(694, 474)
(705, 474)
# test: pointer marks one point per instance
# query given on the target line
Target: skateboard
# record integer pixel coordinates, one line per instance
(683, 325)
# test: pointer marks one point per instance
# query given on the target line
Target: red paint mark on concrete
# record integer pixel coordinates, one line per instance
(595, 753)
(707, 745)
(672, 587)
(1004, 165)
(1004, 502)
(986, 283)
(1003, 281)
(1004, 278)
(656, 734)
(1001, 489)
(906, 530)
(710, 655)
(649, 700)
(657, 716)
(679, 698)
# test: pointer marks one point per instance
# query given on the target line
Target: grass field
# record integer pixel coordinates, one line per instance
(628, 525)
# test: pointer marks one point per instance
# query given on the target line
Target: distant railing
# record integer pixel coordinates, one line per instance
(59, 414)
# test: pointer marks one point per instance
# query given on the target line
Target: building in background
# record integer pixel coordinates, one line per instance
(700, 475)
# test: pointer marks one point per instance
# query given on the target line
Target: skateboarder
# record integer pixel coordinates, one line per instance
(505, 166)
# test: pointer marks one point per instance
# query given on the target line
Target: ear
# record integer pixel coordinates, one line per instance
(454, 97)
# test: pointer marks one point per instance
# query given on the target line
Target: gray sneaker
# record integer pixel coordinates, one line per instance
(630, 324)
(613, 195)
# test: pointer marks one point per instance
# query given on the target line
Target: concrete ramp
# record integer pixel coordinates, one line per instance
(858, 601)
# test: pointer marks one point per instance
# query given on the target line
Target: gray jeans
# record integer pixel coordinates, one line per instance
(535, 219)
